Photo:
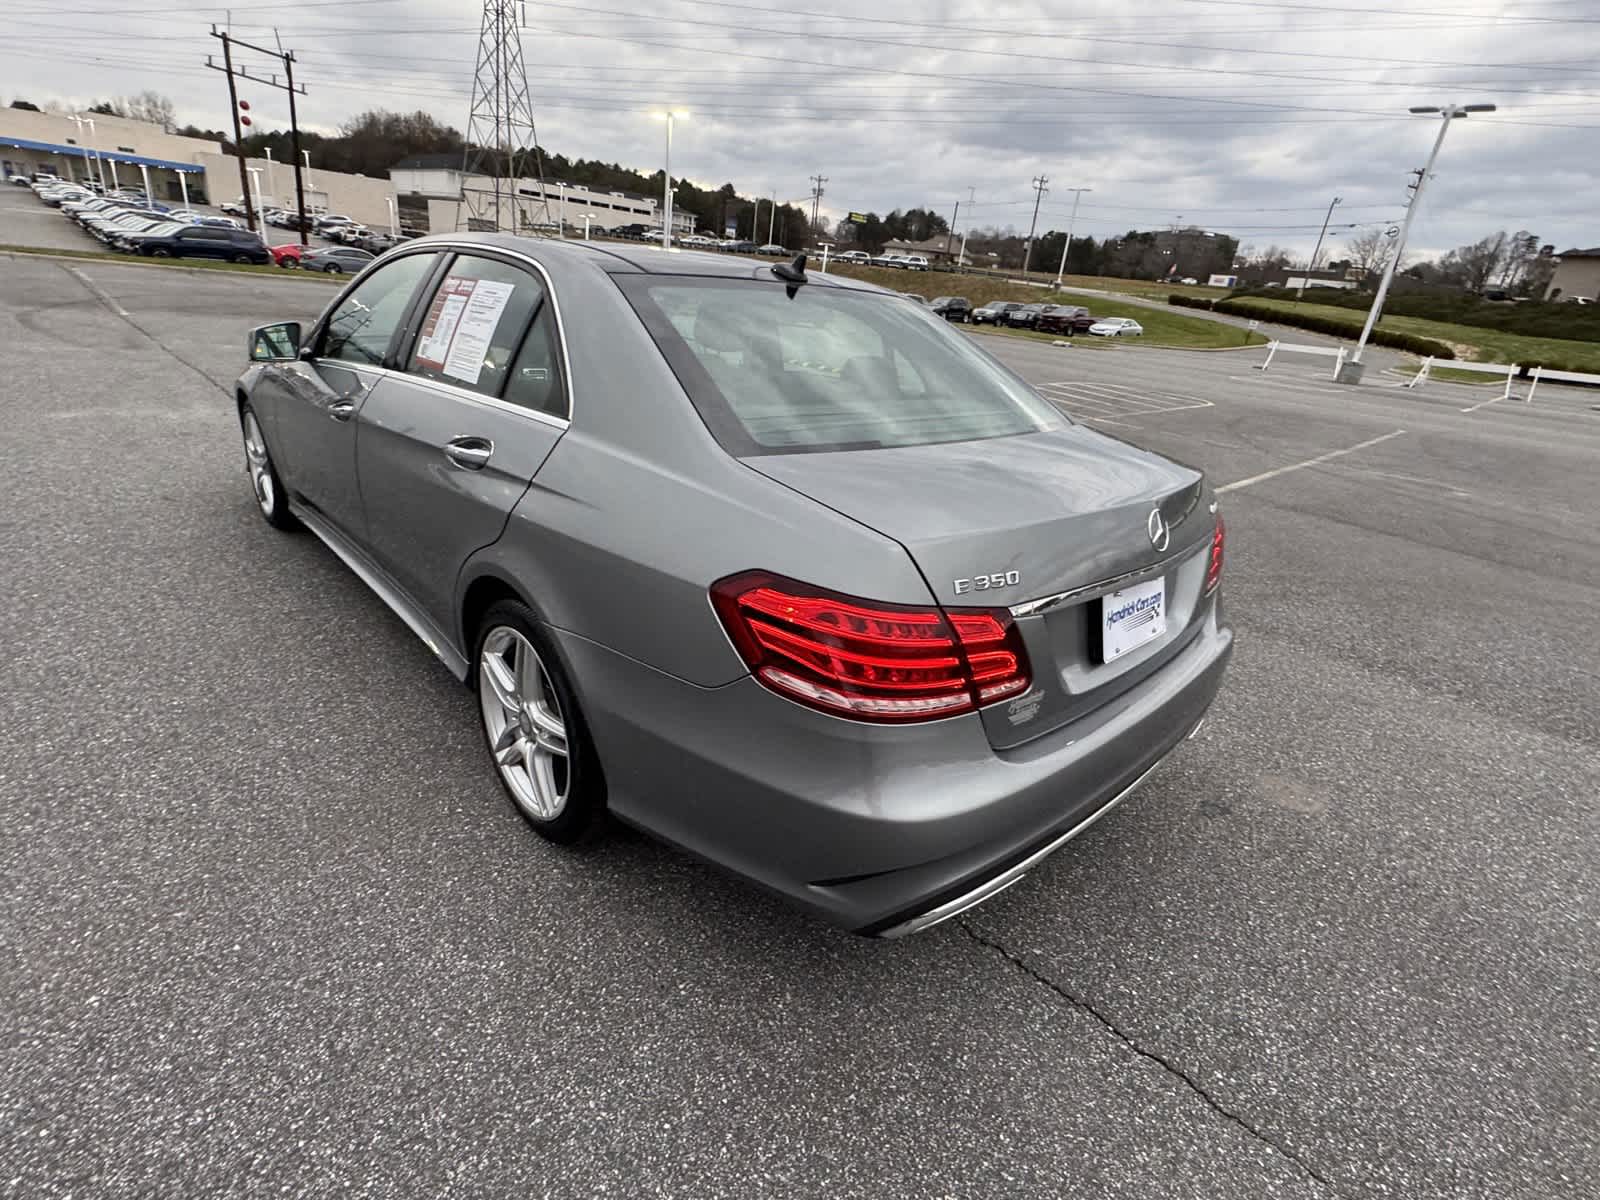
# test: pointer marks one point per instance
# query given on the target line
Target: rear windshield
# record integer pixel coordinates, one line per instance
(828, 368)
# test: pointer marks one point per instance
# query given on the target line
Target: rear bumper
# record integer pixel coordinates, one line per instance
(881, 830)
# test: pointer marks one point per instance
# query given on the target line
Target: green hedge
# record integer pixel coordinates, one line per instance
(1333, 327)
(1189, 301)
(1531, 318)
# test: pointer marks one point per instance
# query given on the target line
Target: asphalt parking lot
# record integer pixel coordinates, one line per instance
(269, 924)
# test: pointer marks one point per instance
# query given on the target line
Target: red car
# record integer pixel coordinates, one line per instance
(287, 256)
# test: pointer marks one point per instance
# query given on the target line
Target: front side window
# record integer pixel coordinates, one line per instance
(360, 329)
(474, 324)
(827, 368)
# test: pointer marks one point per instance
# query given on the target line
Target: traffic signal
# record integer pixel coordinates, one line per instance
(244, 109)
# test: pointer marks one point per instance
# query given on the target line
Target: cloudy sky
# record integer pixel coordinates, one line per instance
(1244, 116)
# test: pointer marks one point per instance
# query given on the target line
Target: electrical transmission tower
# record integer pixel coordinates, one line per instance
(502, 145)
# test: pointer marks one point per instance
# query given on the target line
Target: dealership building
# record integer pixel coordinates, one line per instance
(423, 193)
(436, 182)
(175, 169)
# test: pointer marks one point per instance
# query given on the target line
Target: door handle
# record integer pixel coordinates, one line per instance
(342, 409)
(469, 452)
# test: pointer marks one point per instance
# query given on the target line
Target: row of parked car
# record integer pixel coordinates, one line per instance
(130, 221)
(906, 262)
(1063, 319)
(335, 227)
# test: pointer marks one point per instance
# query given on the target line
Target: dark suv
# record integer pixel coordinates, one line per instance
(1024, 315)
(994, 312)
(1064, 318)
(207, 241)
(952, 308)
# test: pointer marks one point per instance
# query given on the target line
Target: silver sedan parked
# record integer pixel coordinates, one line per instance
(772, 564)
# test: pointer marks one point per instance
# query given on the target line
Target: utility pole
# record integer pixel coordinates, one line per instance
(1351, 371)
(950, 233)
(1039, 190)
(972, 202)
(299, 155)
(816, 198)
(1307, 277)
(772, 216)
(238, 134)
(1077, 194)
(287, 85)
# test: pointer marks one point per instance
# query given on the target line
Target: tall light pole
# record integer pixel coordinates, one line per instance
(1077, 194)
(561, 220)
(1307, 276)
(772, 217)
(272, 189)
(99, 171)
(669, 116)
(1351, 372)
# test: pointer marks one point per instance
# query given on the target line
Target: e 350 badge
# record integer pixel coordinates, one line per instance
(982, 583)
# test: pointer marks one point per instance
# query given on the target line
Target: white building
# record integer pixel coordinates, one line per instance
(438, 179)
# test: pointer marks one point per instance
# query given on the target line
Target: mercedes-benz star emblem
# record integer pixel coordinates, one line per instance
(1156, 527)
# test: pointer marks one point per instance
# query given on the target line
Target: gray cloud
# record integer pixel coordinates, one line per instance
(1242, 117)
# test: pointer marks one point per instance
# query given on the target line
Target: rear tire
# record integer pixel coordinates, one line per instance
(535, 733)
(334, 269)
(241, 258)
(160, 252)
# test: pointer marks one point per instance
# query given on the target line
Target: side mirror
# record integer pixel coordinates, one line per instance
(275, 343)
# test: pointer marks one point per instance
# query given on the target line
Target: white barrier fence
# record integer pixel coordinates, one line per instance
(1335, 353)
(1510, 372)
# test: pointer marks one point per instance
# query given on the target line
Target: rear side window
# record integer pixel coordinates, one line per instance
(828, 368)
(474, 324)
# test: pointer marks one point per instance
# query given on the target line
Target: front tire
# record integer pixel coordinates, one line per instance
(334, 269)
(532, 726)
(241, 258)
(272, 498)
(160, 252)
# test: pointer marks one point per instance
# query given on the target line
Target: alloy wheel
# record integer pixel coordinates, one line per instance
(260, 465)
(523, 719)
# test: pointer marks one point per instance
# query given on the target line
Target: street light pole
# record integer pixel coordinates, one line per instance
(1307, 276)
(1447, 113)
(670, 115)
(1077, 194)
(772, 216)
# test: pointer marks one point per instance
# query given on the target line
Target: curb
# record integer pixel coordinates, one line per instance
(279, 275)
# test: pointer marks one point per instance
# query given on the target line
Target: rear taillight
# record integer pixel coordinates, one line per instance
(1214, 567)
(873, 662)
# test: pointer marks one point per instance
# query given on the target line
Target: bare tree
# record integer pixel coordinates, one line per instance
(148, 106)
(1473, 266)
(1369, 250)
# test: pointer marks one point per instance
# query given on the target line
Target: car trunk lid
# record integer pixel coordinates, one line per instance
(1047, 524)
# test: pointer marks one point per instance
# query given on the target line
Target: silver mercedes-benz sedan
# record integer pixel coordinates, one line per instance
(772, 564)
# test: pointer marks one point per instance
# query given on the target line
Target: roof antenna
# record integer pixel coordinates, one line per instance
(794, 272)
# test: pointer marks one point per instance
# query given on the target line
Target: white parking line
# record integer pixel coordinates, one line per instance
(1310, 462)
(100, 293)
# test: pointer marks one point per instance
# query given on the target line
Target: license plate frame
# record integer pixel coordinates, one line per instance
(1132, 617)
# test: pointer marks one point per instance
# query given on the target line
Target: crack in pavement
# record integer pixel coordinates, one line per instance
(1165, 1064)
(110, 304)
